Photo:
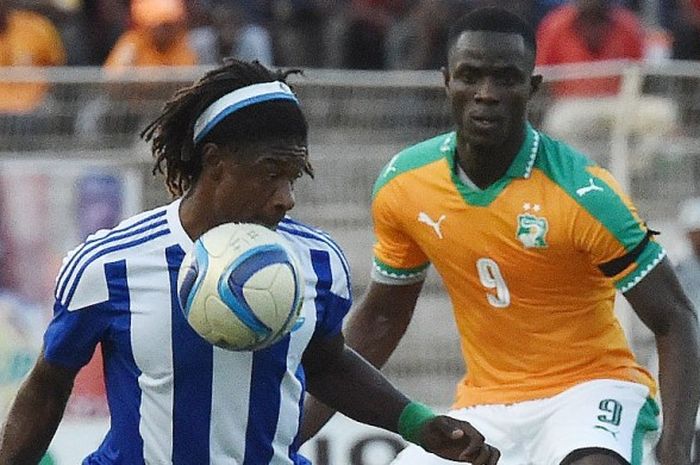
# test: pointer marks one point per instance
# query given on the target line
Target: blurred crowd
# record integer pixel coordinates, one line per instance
(342, 34)
(354, 34)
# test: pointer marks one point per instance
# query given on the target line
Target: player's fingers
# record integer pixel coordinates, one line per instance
(496, 454)
(487, 455)
(474, 444)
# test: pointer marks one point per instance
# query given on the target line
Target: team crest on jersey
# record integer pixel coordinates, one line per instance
(532, 231)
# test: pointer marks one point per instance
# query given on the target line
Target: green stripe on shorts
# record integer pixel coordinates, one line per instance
(647, 421)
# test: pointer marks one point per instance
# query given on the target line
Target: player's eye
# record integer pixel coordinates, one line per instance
(468, 78)
(467, 75)
(507, 78)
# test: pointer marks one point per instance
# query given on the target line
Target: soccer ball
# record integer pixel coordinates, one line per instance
(240, 287)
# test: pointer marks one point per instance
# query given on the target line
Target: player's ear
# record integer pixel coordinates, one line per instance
(212, 160)
(535, 83)
(446, 78)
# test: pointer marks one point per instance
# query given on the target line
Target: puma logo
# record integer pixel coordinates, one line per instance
(424, 218)
(613, 433)
(390, 168)
(581, 191)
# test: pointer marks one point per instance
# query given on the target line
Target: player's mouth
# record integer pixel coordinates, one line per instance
(484, 122)
(271, 223)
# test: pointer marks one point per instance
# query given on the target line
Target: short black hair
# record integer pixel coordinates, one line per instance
(171, 134)
(493, 19)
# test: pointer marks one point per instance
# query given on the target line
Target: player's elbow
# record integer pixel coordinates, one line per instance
(680, 320)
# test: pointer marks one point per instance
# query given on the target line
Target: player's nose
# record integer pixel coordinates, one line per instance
(486, 91)
(284, 197)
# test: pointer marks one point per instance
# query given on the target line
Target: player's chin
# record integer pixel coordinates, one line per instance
(485, 141)
(492, 136)
(269, 223)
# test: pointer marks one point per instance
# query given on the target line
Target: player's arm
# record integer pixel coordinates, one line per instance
(340, 378)
(374, 329)
(379, 322)
(661, 304)
(35, 414)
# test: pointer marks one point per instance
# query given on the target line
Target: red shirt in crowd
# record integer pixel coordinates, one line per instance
(560, 40)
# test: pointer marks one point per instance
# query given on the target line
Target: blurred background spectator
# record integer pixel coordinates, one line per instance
(26, 39)
(418, 39)
(689, 268)
(305, 31)
(157, 37)
(354, 34)
(364, 43)
(222, 29)
(98, 202)
(587, 31)
(590, 31)
(686, 30)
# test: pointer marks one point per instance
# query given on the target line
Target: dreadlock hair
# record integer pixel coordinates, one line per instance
(176, 154)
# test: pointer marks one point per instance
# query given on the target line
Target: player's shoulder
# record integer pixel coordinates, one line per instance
(627, 21)
(560, 18)
(304, 236)
(415, 157)
(582, 179)
(320, 250)
(82, 279)
(562, 163)
(557, 153)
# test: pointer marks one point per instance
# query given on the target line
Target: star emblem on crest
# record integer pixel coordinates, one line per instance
(535, 207)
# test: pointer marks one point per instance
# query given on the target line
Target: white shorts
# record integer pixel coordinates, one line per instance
(614, 415)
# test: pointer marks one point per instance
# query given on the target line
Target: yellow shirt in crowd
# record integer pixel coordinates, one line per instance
(29, 40)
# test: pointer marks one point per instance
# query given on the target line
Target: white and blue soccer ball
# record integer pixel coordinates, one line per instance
(240, 287)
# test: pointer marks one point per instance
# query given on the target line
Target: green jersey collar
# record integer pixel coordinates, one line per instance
(522, 163)
(521, 167)
(525, 159)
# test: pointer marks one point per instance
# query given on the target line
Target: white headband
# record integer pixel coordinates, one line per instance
(238, 99)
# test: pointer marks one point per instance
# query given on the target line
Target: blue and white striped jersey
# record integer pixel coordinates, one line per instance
(174, 398)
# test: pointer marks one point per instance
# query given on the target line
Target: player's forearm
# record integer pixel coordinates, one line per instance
(374, 342)
(316, 415)
(32, 422)
(375, 327)
(357, 389)
(679, 379)
(374, 337)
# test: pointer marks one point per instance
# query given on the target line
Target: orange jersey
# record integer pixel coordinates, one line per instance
(135, 48)
(531, 263)
(29, 40)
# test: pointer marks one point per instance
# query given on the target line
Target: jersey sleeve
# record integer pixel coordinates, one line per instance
(72, 336)
(610, 230)
(397, 257)
(333, 293)
(82, 312)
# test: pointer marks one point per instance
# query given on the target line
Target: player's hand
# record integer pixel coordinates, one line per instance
(457, 440)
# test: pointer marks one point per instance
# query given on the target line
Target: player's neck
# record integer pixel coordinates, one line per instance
(195, 218)
(485, 165)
